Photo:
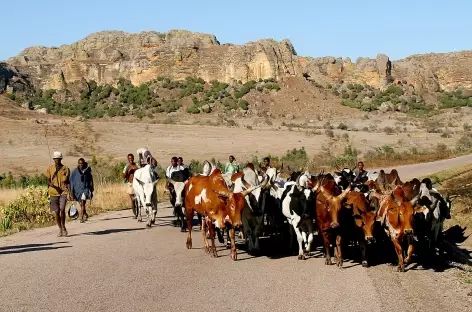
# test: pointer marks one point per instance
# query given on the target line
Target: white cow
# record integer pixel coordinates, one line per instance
(145, 191)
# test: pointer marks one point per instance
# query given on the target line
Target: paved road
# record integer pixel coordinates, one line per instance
(418, 170)
(113, 263)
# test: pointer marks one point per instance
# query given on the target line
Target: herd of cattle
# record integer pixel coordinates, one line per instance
(407, 213)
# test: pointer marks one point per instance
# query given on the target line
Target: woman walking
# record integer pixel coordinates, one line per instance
(81, 182)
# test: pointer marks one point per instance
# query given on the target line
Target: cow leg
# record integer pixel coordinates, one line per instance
(228, 237)
(154, 206)
(234, 254)
(411, 249)
(221, 239)
(301, 256)
(148, 216)
(339, 251)
(199, 217)
(310, 238)
(189, 212)
(398, 250)
(212, 249)
(362, 245)
(206, 223)
(326, 244)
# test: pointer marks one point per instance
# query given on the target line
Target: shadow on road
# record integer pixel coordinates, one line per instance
(30, 247)
(108, 231)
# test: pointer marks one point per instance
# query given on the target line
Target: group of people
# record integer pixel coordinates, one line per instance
(145, 158)
(64, 185)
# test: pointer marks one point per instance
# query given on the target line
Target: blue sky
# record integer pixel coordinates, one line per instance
(316, 28)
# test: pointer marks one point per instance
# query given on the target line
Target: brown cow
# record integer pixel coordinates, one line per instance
(388, 181)
(364, 219)
(328, 206)
(210, 196)
(396, 217)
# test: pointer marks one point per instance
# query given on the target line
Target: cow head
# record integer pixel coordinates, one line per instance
(234, 203)
(363, 216)
(179, 189)
(148, 189)
(333, 203)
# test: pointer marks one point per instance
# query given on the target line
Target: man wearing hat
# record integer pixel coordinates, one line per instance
(59, 190)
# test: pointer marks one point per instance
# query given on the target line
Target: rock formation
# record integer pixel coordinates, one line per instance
(109, 55)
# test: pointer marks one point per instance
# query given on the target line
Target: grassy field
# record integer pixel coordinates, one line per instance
(28, 208)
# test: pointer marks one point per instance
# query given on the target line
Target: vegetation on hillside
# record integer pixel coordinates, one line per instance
(161, 95)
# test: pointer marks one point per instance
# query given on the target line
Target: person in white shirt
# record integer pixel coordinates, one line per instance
(174, 166)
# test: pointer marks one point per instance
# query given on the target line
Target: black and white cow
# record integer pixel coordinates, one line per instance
(430, 221)
(178, 180)
(298, 206)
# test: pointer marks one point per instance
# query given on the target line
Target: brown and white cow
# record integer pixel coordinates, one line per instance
(210, 196)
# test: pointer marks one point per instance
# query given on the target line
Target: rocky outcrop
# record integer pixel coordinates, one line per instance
(426, 73)
(12, 80)
(107, 56)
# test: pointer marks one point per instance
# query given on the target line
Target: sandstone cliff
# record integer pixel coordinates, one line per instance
(106, 56)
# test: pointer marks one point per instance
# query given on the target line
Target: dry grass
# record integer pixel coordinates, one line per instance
(458, 182)
(107, 197)
(8, 195)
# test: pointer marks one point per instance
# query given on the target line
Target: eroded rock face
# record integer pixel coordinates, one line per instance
(107, 56)
(426, 73)
(12, 80)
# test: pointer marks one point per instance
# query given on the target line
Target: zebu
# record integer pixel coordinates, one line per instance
(178, 181)
(146, 194)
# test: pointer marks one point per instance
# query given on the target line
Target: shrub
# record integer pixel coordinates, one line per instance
(272, 86)
(389, 130)
(342, 126)
(192, 109)
(243, 104)
(31, 206)
(329, 133)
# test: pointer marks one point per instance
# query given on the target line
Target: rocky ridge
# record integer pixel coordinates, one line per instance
(140, 57)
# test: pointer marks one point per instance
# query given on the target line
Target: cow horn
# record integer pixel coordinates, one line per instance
(344, 193)
(249, 190)
(265, 183)
(171, 181)
(415, 199)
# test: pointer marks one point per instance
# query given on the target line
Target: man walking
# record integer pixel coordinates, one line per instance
(59, 190)
(81, 182)
(128, 174)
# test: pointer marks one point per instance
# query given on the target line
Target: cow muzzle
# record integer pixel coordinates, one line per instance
(408, 231)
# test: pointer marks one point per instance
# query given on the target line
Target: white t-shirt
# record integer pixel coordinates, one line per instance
(171, 169)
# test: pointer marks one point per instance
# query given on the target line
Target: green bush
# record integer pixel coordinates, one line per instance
(192, 109)
(243, 104)
(272, 86)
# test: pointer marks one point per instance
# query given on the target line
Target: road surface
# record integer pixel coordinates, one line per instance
(408, 172)
(113, 263)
